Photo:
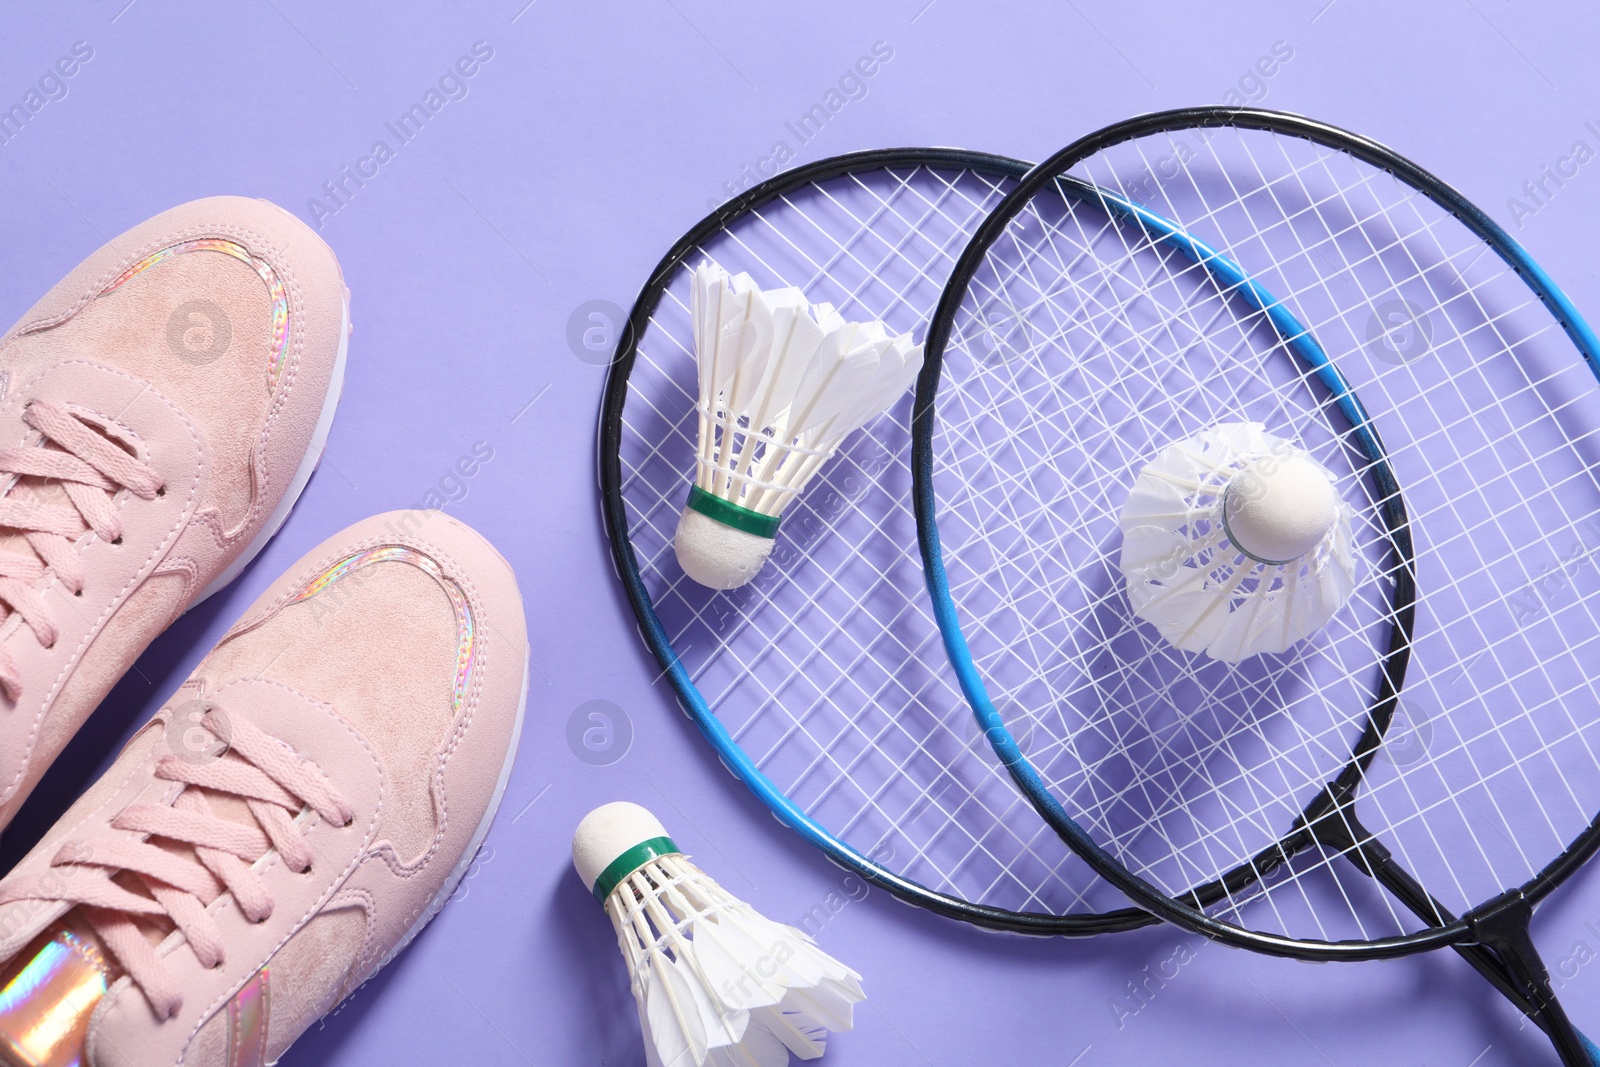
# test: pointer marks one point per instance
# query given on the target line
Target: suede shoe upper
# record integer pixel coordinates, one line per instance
(160, 409)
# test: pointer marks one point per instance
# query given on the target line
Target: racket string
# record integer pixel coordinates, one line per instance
(809, 676)
(1412, 257)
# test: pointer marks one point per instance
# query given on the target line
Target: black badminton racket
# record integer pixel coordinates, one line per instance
(1176, 309)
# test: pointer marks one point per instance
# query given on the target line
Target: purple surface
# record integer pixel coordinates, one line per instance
(593, 137)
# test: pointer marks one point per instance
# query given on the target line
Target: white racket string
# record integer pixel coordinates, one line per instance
(829, 672)
(1112, 343)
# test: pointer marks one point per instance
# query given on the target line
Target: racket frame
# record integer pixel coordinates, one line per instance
(614, 515)
(1183, 911)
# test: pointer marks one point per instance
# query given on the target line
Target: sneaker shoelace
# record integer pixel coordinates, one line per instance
(90, 470)
(180, 884)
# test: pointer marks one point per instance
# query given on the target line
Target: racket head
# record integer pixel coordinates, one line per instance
(822, 685)
(1073, 343)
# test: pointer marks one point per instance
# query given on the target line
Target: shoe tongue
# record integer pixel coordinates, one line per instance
(47, 492)
(225, 806)
(30, 490)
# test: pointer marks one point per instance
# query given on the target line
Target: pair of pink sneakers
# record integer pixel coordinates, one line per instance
(312, 794)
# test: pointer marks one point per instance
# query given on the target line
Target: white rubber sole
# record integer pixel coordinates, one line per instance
(465, 862)
(302, 475)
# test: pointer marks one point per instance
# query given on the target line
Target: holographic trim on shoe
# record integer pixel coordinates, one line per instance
(47, 996)
(247, 1023)
(280, 298)
(400, 554)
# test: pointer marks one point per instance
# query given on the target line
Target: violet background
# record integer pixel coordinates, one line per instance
(596, 134)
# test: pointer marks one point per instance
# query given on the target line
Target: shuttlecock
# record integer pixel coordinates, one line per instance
(716, 983)
(1236, 543)
(782, 382)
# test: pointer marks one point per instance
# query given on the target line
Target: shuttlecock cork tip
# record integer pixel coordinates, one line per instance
(1279, 508)
(721, 545)
(613, 841)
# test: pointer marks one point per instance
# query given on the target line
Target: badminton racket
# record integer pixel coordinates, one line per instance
(822, 684)
(1164, 282)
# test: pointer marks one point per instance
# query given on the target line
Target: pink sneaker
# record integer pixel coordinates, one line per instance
(160, 410)
(301, 807)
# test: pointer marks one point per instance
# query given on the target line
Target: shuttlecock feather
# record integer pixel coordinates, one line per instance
(715, 981)
(1236, 543)
(781, 383)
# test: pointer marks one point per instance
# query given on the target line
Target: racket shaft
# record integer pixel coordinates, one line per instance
(1511, 966)
(1504, 928)
(1483, 960)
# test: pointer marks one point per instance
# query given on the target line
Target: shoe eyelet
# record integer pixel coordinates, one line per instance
(78, 593)
(162, 491)
(117, 541)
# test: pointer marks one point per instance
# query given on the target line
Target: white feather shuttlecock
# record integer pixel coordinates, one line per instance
(782, 383)
(1236, 543)
(715, 981)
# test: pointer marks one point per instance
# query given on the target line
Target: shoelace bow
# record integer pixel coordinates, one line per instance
(89, 469)
(276, 785)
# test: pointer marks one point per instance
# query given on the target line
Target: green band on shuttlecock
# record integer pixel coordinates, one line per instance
(730, 514)
(631, 861)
